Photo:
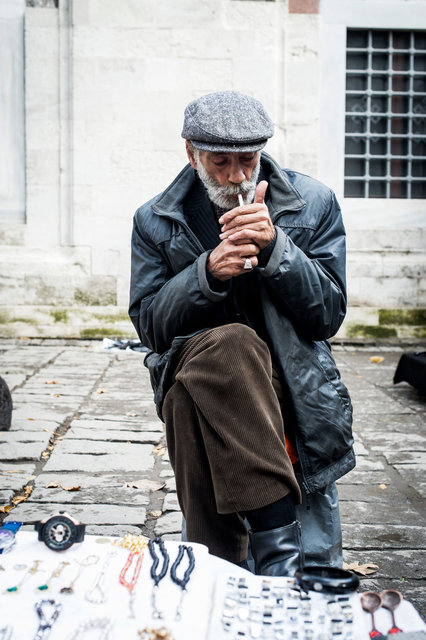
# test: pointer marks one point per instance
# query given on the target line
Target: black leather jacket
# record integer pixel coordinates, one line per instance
(302, 293)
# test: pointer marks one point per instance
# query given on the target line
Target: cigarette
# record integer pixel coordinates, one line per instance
(240, 200)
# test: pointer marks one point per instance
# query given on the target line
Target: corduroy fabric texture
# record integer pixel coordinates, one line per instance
(225, 436)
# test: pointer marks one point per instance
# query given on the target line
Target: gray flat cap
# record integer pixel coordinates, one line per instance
(227, 121)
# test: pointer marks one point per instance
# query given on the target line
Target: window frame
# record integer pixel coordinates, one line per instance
(337, 17)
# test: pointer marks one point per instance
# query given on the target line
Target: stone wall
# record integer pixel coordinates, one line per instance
(106, 83)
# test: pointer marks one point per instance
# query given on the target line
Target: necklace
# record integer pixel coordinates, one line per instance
(86, 562)
(47, 611)
(96, 594)
(130, 586)
(157, 577)
(104, 624)
(55, 574)
(182, 582)
(31, 571)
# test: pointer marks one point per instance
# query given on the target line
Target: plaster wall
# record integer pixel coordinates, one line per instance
(106, 84)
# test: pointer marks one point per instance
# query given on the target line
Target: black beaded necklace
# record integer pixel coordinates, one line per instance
(157, 577)
(182, 582)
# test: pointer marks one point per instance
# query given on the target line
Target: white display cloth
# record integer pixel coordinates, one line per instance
(202, 609)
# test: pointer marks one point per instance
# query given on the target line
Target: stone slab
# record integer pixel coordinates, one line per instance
(357, 476)
(14, 481)
(414, 476)
(19, 437)
(89, 514)
(101, 447)
(406, 457)
(389, 536)
(112, 435)
(34, 425)
(355, 512)
(113, 463)
(169, 523)
(393, 564)
(171, 502)
(91, 495)
(21, 451)
(371, 494)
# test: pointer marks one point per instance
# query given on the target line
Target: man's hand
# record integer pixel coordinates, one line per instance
(227, 259)
(250, 223)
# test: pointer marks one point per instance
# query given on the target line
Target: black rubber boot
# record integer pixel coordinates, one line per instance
(277, 552)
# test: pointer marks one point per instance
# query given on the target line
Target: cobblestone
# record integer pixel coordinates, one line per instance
(86, 436)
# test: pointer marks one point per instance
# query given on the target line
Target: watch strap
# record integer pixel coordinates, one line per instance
(81, 528)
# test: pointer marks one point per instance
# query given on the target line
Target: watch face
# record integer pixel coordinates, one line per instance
(7, 538)
(59, 533)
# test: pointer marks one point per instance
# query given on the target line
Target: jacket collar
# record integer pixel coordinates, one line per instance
(281, 194)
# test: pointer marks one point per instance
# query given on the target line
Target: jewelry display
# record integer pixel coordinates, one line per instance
(6, 632)
(182, 582)
(96, 594)
(86, 562)
(155, 634)
(55, 574)
(47, 611)
(133, 543)
(157, 577)
(31, 571)
(104, 624)
(131, 585)
(278, 609)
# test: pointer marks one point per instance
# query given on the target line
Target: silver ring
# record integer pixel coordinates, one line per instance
(248, 265)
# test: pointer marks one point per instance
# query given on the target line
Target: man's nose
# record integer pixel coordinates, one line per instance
(236, 174)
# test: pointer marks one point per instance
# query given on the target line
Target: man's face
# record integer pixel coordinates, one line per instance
(225, 175)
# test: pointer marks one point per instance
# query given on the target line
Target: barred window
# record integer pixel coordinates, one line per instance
(385, 122)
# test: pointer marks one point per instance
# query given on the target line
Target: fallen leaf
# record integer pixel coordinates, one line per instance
(28, 489)
(55, 395)
(76, 488)
(361, 569)
(376, 359)
(6, 508)
(100, 391)
(52, 485)
(18, 500)
(46, 430)
(155, 514)
(50, 382)
(45, 455)
(30, 418)
(383, 486)
(131, 415)
(160, 450)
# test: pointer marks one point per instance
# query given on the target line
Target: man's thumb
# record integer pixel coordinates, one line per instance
(259, 194)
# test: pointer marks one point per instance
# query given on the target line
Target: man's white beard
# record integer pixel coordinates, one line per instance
(224, 197)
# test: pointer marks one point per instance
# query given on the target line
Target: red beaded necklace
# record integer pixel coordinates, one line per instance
(131, 585)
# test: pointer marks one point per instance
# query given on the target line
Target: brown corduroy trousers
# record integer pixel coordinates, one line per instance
(225, 436)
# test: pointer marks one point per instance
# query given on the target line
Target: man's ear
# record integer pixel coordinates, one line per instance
(190, 154)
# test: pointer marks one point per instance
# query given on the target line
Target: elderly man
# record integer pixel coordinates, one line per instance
(238, 280)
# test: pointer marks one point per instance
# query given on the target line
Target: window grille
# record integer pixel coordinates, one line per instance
(385, 118)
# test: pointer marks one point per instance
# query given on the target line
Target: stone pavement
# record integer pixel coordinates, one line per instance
(85, 437)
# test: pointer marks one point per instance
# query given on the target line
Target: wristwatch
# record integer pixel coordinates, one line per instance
(60, 531)
(7, 535)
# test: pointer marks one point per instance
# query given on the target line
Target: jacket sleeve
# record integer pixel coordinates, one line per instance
(310, 284)
(164, 305)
